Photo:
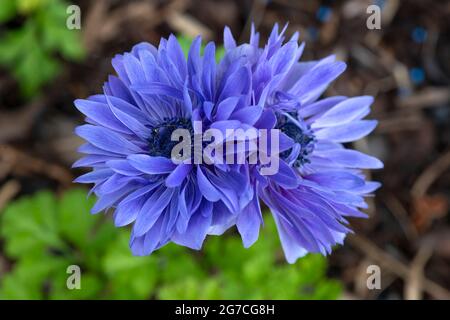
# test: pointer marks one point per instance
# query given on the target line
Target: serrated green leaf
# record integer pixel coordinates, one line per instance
(30, 226)
(74, 219)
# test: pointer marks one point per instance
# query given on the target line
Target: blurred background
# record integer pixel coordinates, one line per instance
(44, 221)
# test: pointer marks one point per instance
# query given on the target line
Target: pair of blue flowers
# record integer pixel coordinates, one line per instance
(157, 90)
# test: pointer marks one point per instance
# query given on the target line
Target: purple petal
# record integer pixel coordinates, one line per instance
(209, 70)
(225, 108)
(353, 159)
(101, 114)
(320, 106)
(228, 40)
(314, 82)
(236, 84)
(151, 165)
(205, 186)
(267, 120)
(336, 180)
(222, 219)
(348, 132)
(95, 176)
(152, 209)
(345, 112)
(249, 222)
(108, 200)
(158, 88)
(130, 206)
(248, 115)
(176, 54)
(118, 89)
(123, 167)
(285, 176)
(292, 249)
(178, 175)
(130, 122)
(106, 139)
(195, 233)
(92, 161)
(133, 68)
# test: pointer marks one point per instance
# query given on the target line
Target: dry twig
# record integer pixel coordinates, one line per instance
(428, 97)
(430, 174)
(7, 192)
(22, 163)
(394, 266)
(414, 283)
(401, 214)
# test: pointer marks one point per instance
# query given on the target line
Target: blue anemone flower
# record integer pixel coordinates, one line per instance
(128, 144)
(320, 182)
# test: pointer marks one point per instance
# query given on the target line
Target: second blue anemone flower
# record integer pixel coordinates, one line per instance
(320, 182)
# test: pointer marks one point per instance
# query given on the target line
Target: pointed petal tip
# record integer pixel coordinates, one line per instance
(228, 39)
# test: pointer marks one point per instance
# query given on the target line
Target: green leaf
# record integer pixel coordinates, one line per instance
(130, 277)
(90, 287)
(30, 226)
(28, 6)
(328, 290)
(7, 10)
(312, 268)
(29, 276)
(31, 52)
(190, 289)
(45, 235)
(74, 218)
(12, 44)
(22, 53)
(55, 35)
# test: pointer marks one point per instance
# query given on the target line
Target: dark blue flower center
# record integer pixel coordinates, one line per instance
(302, 137)
(160, 141)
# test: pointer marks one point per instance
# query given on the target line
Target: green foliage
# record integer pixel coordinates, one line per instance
(30, 51)
(43, 235)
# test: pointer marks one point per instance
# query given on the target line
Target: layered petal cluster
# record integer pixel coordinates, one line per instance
(319, 182)
(128, 144)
